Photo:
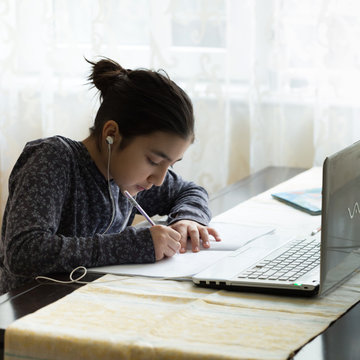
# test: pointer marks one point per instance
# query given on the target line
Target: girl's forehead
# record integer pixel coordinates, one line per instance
(166, 145)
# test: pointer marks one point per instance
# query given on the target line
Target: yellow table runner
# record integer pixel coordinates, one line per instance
(141, 318)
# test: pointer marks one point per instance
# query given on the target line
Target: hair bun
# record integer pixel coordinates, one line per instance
(105, 73)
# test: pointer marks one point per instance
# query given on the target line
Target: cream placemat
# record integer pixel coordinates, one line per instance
(137, 318)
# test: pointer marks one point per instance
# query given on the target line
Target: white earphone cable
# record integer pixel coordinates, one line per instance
(84, 269)
(110, 192)
(71, 281)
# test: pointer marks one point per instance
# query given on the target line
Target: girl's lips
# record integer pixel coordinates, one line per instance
(141, 188)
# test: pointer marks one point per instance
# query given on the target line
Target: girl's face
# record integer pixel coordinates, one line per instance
(145, 160)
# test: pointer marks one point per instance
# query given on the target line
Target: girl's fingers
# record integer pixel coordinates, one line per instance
(214, 233)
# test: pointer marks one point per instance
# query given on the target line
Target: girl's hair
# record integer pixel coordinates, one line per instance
(141, 102)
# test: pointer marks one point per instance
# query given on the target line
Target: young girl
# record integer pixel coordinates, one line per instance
(66, 205)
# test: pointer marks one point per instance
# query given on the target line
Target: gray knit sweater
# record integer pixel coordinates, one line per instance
(59, 208)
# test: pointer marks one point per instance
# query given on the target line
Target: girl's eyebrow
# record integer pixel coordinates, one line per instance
(164, 156)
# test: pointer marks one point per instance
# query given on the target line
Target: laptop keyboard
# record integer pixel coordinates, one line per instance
(298, 258)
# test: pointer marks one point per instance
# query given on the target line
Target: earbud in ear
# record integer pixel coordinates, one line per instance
(109, 140)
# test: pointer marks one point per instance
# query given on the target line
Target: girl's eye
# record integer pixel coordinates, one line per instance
(153, 163)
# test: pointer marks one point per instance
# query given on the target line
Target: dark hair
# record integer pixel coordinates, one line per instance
(141, 101)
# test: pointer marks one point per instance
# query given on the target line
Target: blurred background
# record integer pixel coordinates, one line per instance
(272, 82)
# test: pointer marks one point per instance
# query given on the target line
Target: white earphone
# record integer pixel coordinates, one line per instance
(109, 140)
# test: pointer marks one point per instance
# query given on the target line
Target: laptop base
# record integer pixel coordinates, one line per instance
(222, 285)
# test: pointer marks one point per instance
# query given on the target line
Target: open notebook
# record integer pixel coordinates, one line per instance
(184, 266)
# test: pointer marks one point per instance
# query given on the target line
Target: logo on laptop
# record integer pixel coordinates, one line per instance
(356, 210)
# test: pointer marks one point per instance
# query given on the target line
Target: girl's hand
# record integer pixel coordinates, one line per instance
(195, 232)
(166, 241)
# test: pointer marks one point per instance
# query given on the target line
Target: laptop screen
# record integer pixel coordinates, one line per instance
(340, 247)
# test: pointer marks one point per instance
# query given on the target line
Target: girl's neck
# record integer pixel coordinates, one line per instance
(99, 157)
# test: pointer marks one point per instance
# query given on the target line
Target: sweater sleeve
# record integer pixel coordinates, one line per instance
(32, 245)
(178, 199)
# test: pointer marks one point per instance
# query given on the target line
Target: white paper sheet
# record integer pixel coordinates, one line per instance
(188, 264)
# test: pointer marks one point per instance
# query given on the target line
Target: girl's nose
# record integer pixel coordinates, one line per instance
(158, 176)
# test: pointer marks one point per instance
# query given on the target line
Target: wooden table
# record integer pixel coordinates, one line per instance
(339, 341)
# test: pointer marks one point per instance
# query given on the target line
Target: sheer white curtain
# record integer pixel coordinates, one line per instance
(273, 82)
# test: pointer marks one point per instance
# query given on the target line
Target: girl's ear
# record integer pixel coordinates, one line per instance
(110, 132)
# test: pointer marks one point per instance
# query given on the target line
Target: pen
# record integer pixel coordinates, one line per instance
(316, 231)
(142, 211)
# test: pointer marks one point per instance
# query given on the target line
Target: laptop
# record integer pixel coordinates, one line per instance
(307, 265)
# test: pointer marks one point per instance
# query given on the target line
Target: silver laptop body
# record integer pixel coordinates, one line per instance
(326, 259)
